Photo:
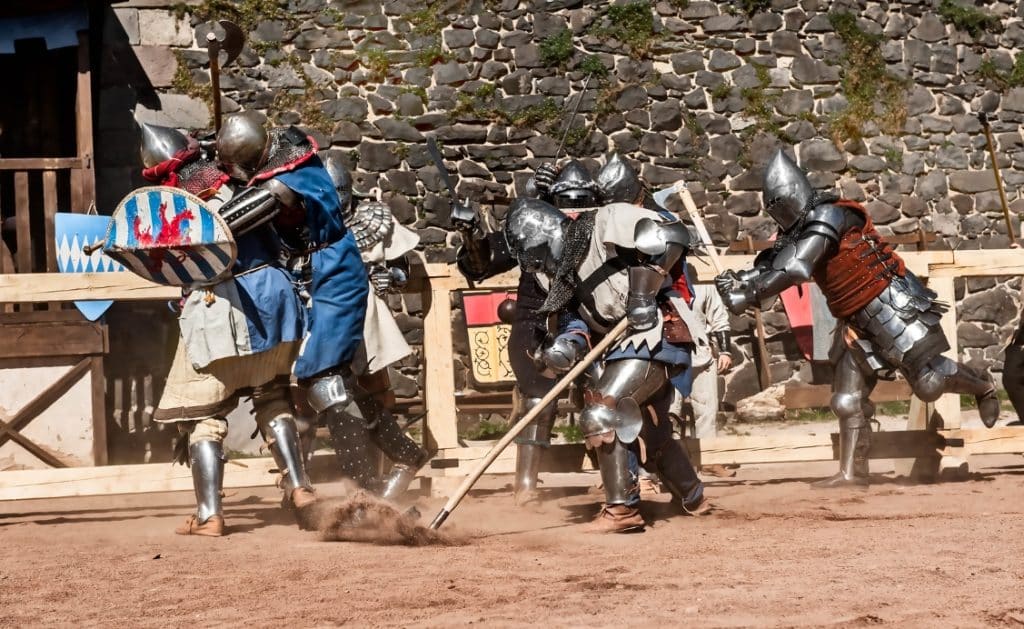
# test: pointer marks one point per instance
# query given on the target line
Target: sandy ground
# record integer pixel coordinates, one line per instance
(776, 553)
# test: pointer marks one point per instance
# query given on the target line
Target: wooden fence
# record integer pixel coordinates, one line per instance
(933, 431)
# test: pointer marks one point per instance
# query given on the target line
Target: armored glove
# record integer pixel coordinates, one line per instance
(739, 299)
(641, 311)
(464, 218)
(562, 353)
(545, 177)
(380, 278)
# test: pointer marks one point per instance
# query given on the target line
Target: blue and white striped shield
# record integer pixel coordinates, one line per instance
(170, 237)
(74, 232)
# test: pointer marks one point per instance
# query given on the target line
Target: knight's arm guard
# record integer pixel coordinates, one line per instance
(724, 343)
(255, 206)
(485, 256)
(660, 246)
(793, 264)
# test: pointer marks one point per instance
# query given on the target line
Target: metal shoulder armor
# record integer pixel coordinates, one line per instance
(826, 219)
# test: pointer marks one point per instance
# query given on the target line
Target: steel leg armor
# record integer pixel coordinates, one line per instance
(407, 455)
(207, 459)
(943, 375)
(283, 438)
(620, 483)
(613, 405)
(851, 405)
(531, 443)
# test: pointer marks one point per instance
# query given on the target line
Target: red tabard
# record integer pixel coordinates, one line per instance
(860, 270)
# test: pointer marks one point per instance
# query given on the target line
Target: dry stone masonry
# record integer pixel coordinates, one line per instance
(877, 99)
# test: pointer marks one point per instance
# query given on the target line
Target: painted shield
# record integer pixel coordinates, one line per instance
(74, 232)
(170, 237)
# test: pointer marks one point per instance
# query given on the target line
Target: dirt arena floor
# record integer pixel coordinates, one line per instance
(775, 554)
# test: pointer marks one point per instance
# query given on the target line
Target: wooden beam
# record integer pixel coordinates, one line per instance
(43, 400)
(819, 395)
(83, 127)
(40, 163)
(32, 340)
(99, 410)
(948, 406)
(49, 214)
(23, 221)
(441, 426)
(33, 448)
(42, 287)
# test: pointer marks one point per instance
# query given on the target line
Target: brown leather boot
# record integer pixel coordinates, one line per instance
(720, 471)
(302, 497)
(616, 519)
(214, 527)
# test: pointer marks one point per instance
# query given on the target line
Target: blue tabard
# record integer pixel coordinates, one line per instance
(340, 285)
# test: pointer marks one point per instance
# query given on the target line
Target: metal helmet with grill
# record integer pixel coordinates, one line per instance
(242, 145)
(574, 187)
(618, 181)
(786, 192)
(160, 144)
(535, 230)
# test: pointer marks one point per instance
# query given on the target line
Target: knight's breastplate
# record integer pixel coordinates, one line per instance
(860, 270)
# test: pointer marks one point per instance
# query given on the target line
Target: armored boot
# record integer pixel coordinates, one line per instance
(854, 446)
(283, 438)
(943, 375)
(619, 513)
(984, 389)
(207, 460)
(531, 443)
(407, 455)
(677, 473)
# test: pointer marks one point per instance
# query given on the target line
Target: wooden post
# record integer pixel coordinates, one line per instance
(49, 210)
(85, 183)
(441, 426)
(948, 406)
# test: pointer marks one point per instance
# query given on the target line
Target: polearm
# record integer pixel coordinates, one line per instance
(983, 118)
(213, 49)
(513, 432)
(226, 37)
(572, 118)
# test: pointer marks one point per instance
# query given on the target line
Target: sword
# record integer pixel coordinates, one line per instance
(575, 110)
(463, 217)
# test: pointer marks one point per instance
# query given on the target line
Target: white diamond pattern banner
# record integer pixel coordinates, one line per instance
(73, 232)
(170, 237)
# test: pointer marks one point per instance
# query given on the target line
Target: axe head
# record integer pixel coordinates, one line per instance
(661, 196)
(227, 39)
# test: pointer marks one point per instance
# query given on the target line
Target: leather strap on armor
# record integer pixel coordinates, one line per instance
(861, 269)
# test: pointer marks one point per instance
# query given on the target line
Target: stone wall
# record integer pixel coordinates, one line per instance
(881, 105)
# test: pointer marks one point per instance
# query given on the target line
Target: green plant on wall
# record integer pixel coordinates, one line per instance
(247, 14)
(183, 83)
(1003, 80)
(631, 23)
(593, 65)
(872, 92)
(759, 103)
(750, 7)
(966, 18)
(377, 61)
(557, 50)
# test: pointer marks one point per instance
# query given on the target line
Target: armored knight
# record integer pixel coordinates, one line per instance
(480, 258)
(889, 320)
(286, 183)
(239, 335)
(364, 426)
(612, 264)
